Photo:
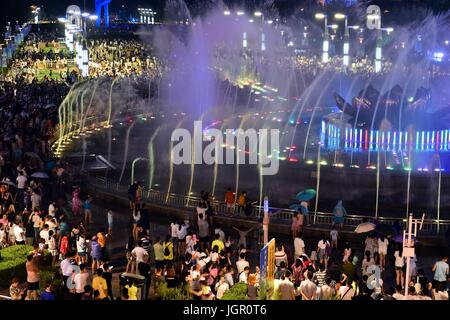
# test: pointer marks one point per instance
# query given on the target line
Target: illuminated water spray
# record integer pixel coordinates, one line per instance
(169, 188)
(151, 158)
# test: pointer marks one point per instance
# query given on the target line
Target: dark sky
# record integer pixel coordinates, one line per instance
(20, 9)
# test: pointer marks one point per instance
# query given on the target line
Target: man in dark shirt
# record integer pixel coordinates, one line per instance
(349, 270)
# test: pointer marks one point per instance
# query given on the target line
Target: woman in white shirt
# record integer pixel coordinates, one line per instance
(346, 291)
(399, 264)
(383, 244)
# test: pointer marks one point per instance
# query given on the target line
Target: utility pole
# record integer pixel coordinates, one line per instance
(266, 221)
(408, 246)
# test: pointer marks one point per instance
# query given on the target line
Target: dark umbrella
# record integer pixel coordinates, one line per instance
(385, 229)
(306, 195)
(399, 239)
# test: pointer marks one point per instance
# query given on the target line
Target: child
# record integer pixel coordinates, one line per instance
(334, 234)
(14, 291)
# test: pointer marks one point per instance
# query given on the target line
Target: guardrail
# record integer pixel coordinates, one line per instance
(282, 215)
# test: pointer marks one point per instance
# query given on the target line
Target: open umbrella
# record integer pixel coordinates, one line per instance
(306, 195)
(8, 183)
(32, 155)
(365, 227)
(399, 239)
(294, 206)
(40, 175)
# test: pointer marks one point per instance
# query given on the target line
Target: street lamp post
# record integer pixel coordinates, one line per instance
(346, 47)
(266, 221)
(326, 37)
(263, 36)
(408, 246)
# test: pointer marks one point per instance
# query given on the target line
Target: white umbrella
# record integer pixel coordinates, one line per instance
(40, 175)
(365, 227)
(8, 183)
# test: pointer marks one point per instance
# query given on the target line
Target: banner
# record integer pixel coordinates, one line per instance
(267, 261)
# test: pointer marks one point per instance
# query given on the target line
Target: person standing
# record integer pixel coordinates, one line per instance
(203, 231)
(229, 201)
(305, 212)
(440, 270)
(339, 213)
(308, 289)
(285, 287)
(99, 284)
(32, 267)
(88, 211)
(299, 246)
(399, 265)
(110, 217)
(383, 244)
(81, 280)
(168, 250)
(158, 248)
(297, 224)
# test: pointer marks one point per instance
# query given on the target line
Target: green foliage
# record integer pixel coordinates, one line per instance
(13, 263)
(265, 291)
(165, 293)
(237, 292)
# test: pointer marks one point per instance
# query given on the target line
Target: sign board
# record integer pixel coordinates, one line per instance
(267, 261)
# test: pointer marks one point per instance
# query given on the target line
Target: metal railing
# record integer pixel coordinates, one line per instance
(281, 215)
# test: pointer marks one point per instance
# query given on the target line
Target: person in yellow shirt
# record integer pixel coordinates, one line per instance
(217, 242)
(168, 250)
(99, 284)
(242, 201)
(132, 291)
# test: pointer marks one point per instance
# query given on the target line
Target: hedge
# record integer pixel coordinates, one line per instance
(237, 292)
(164, 293)
(13, 262)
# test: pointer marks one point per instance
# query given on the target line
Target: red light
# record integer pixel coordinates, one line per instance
(293, 160)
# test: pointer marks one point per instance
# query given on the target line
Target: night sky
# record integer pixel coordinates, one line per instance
(20, 9)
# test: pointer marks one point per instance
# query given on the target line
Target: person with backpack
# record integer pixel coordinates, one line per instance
(168, 250)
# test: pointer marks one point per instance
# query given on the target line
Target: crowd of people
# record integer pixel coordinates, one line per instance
(122, 58)
(40, 60)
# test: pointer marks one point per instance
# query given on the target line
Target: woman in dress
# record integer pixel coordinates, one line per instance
(76, 202)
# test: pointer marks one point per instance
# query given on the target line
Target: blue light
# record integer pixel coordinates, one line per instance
(355, 139)
(423, 141)
(382, 140)
(428, 140)
(378, 140)
(432, 140)
(371, 140)
(351, 138)
(406, 140)
(339, 137)
(360, 138)
(400, 140)
(388, 139)
(395, 140)
(417, 140)
(346, 138)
